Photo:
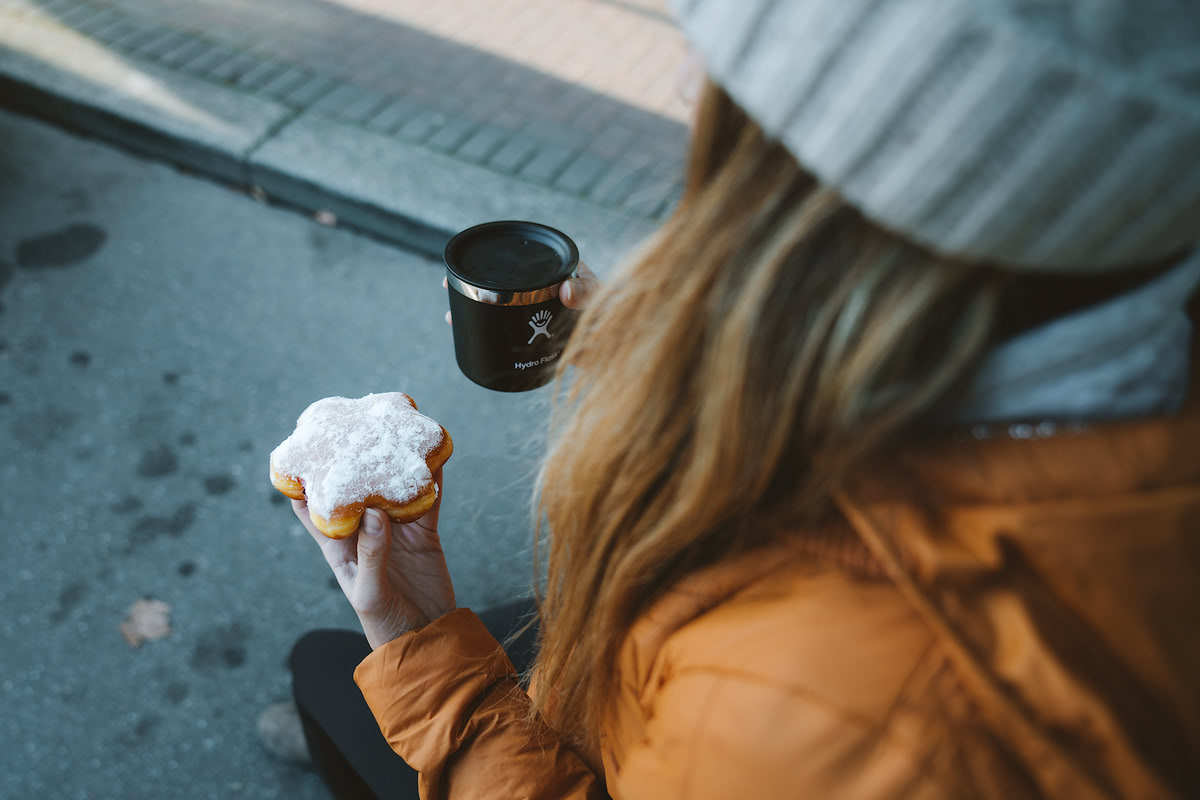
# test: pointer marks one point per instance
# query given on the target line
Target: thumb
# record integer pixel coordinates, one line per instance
(576, 290)
(374, 541)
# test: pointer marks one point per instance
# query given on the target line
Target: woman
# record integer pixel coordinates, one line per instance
(878, 475)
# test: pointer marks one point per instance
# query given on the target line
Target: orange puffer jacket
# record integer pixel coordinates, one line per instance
(1037, 634)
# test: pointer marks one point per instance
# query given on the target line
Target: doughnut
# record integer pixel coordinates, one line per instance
(349, 455)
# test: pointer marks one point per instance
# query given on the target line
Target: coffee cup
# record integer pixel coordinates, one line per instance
(510, 326)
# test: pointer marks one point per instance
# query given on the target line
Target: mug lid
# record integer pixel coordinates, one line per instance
(511, 256)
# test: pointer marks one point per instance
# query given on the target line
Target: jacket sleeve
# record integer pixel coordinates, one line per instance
(448, 702)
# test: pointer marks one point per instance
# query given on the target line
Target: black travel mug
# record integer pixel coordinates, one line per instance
(510, 327)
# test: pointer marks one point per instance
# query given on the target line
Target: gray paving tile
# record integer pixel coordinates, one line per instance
(567, 105)
(260, 75)
(234, 68)
(546, 163)
(393, 115)
(58, 8)
(185, 52)
(342, 95)
(614, 185)
(140, 35)
(422, 126)
(164, 42)
(613, 141)
(210, 62)
(484, 142)
(456, 131)
(562, 135)
(581, 173)
(648, 195)
(365, 105)
(514, 154)
(593, 116)
(311, 90)
(285, 82)
(94, 24)
(74, 16)
(121, 27)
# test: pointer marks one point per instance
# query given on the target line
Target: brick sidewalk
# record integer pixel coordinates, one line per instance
(574, 95)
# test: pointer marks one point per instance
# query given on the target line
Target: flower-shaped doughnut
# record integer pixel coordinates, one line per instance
(349, 455)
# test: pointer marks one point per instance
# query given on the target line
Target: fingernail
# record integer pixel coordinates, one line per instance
(372, 524)
(566, 292)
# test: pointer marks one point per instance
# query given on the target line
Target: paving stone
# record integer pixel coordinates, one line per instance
(339, 97)
(514, 154)
(456, 131)
(509, 119)
(187, 51)
(484, 142)
(366, 103)
(121, 26)
(210, 62)
(648, 195)
(581, 173)
(422, 126)
(352, 102)
(140, 35)
(75, 16)
(546, 163)
(260, 75)
(57, 8)
(94, 24)
(568, 104)
(233, 69)
(166, 40)
(613, 141)
(393, 115)
(285, 82)
(311, 90)
(554, 133)
(614, 186)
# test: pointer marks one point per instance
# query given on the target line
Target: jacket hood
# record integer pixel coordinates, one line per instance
(1063, 576)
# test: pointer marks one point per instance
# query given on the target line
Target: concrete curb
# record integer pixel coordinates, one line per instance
(403, 193)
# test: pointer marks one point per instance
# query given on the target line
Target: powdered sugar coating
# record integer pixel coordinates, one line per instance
(346, 450)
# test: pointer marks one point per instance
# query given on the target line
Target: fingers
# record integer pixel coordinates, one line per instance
(446, 286)
(339, 553)
(576, 290)
(374, 541)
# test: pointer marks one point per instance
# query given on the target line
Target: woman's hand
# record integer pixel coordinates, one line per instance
(575, 291)
(393, 574)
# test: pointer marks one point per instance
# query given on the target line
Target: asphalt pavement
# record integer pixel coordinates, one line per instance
(159, 334)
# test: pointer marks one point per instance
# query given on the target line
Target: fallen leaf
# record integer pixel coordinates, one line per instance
(148, 620)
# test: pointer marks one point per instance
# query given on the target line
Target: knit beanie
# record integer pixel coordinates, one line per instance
(1056, 135)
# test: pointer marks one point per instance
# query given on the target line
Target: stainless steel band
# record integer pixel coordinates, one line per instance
(495, 298)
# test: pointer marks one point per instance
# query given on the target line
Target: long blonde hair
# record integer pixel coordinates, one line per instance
(764, 343)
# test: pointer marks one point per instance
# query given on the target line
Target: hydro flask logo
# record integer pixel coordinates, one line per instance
(538, 322)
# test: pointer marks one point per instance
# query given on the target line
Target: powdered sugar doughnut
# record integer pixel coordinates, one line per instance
(349, 455)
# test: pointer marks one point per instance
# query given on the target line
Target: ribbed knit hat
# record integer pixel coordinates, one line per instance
(1050, 134)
